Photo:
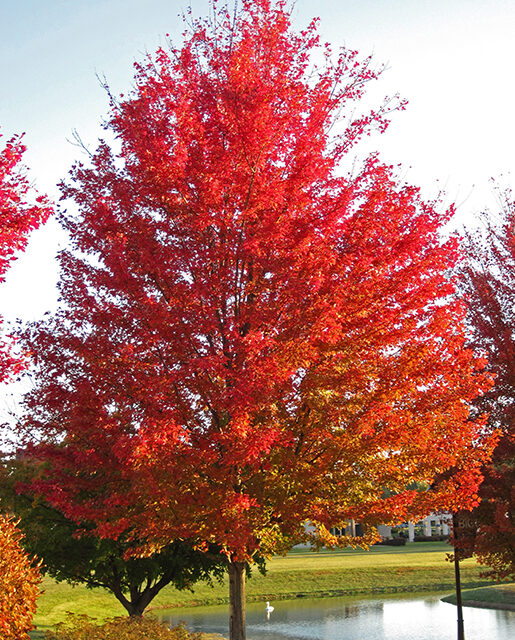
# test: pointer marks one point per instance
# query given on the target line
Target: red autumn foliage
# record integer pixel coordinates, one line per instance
(17, 219)
(18, 578)
(253, 338)
(489, 280)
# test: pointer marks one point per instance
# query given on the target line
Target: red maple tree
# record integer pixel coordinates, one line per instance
(488, 277)
(252, 337)
(19, 578)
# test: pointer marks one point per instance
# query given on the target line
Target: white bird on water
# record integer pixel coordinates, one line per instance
(268, 609)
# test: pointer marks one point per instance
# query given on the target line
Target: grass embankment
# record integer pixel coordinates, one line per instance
(419, 566)
(499, 596)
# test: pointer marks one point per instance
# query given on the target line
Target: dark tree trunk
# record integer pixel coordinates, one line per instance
(237, 630)
(137, 602)
(137, 607)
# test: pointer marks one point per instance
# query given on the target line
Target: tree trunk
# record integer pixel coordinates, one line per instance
(137, 607)
(237, 630)
(138, 602)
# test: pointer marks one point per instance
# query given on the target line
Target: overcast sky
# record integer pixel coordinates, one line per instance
(451, 59)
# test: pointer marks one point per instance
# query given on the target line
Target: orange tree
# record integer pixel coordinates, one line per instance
(252, 338)
(488, 277)
(18, 578)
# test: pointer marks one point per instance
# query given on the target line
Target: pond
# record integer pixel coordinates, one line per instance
(406, 617)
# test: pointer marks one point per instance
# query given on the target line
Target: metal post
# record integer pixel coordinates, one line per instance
(459, 604)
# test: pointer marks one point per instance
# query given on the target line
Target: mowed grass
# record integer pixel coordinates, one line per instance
(499, 596)
(419, 566)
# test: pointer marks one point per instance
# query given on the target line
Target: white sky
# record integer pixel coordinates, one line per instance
(452, 59)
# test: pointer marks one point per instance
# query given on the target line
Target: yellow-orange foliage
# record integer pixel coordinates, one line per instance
(19, 580)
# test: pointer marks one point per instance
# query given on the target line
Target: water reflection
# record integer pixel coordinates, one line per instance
(349, 618)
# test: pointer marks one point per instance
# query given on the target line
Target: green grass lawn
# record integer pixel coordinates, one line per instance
(419, 566)
(498, 596)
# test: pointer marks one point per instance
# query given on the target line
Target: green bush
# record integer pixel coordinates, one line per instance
(84, 628)
(393, 542)
(435, 538)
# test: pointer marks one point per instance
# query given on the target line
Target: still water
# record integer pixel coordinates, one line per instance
(350, 618)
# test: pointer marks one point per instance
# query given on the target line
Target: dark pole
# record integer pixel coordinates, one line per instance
(459, 604)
